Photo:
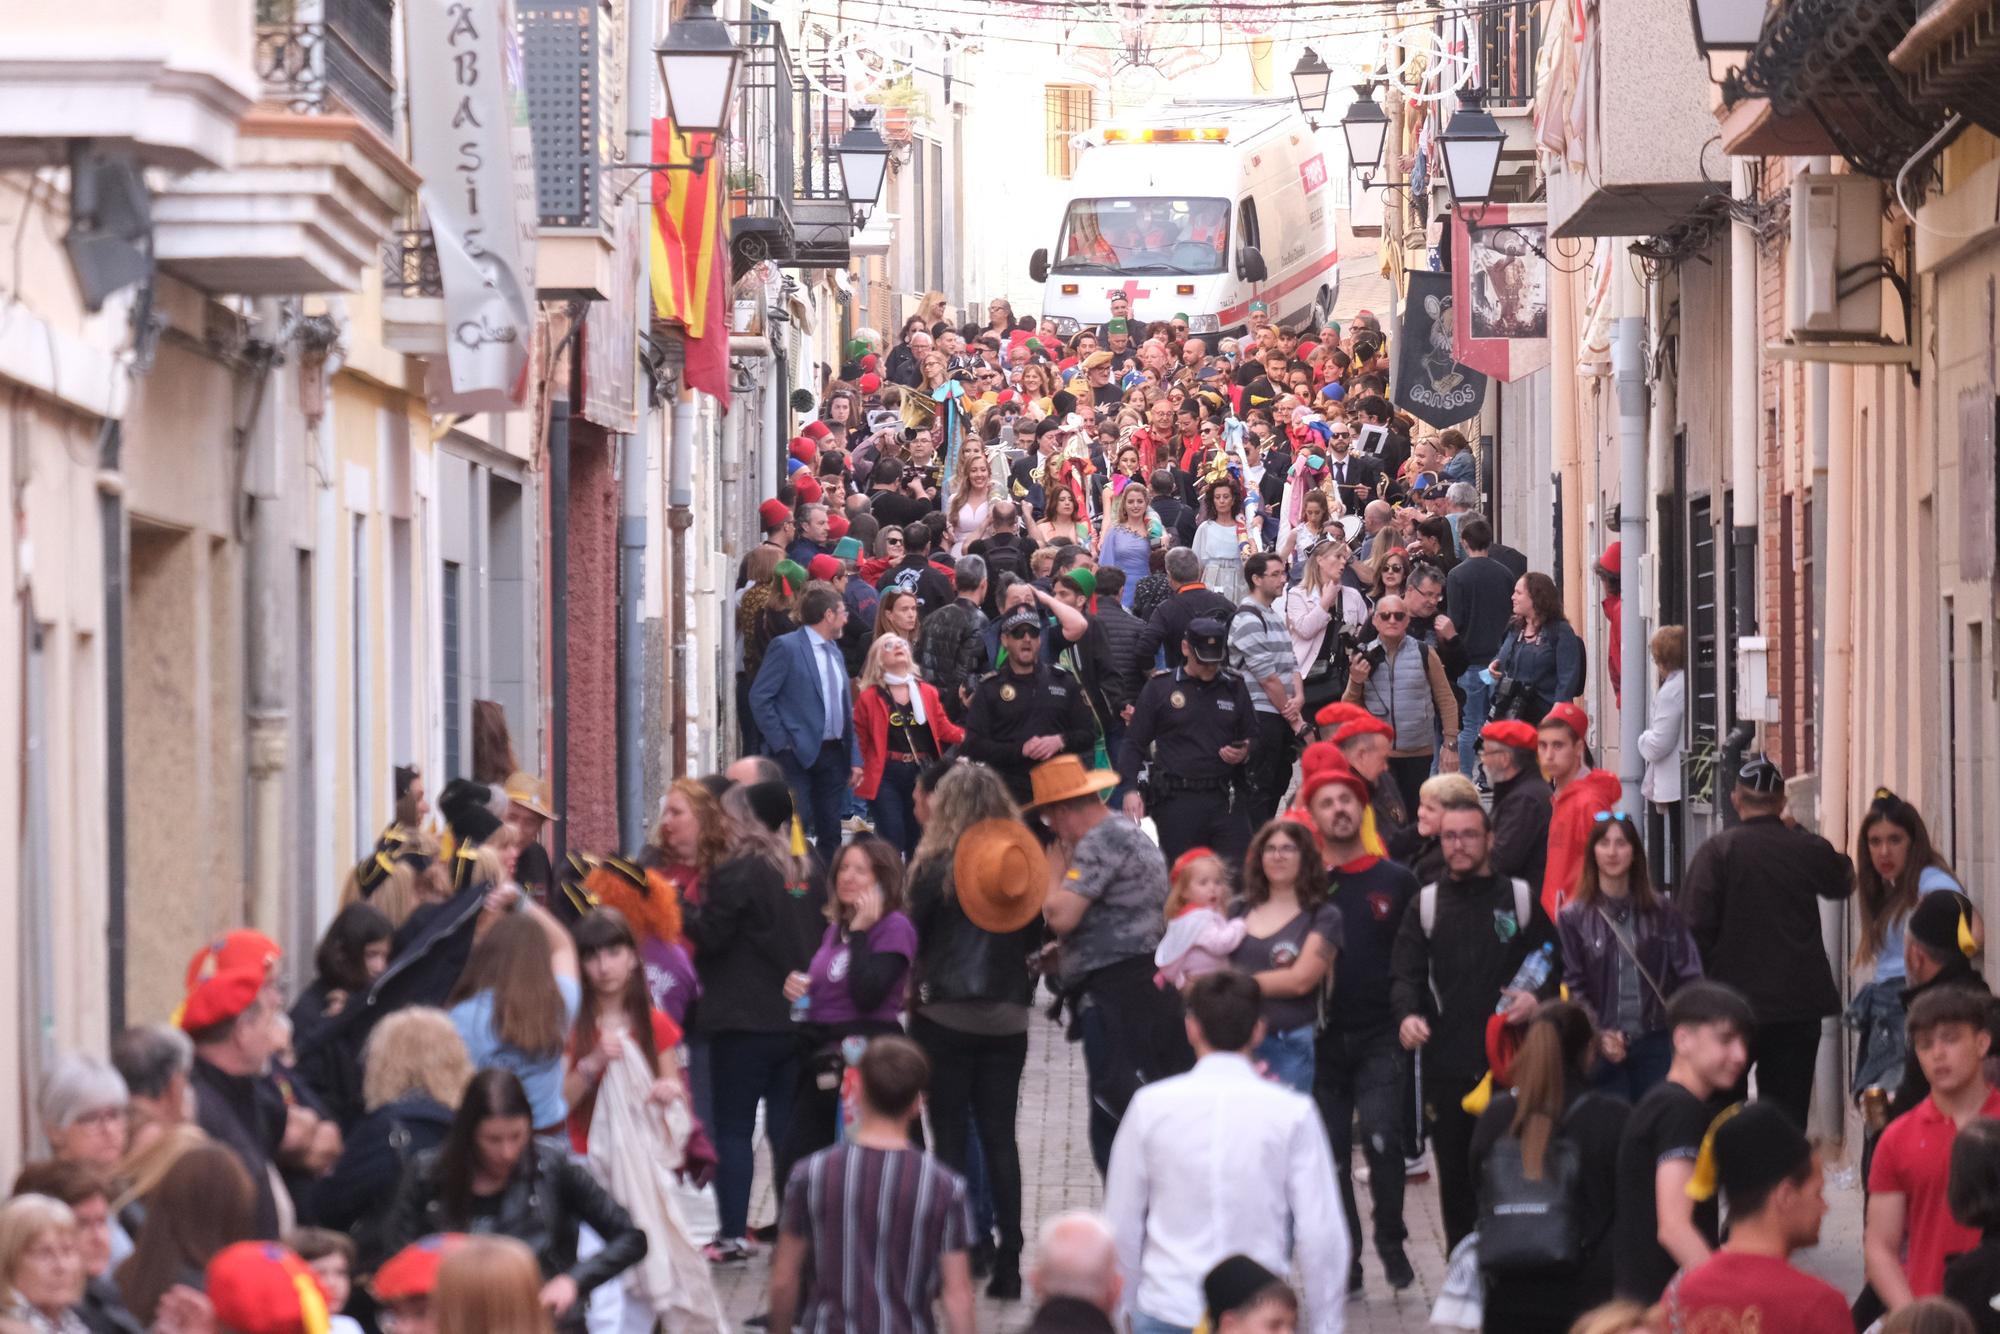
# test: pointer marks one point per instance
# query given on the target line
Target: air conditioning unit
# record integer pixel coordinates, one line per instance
(1833, 280)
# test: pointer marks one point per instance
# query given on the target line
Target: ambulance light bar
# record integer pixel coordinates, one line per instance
(1207, 134)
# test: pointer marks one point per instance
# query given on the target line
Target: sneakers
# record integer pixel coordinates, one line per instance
(727, 1251)
(858, 824)
(1396, 1267)
(1417, 1168)
(1354, 1278)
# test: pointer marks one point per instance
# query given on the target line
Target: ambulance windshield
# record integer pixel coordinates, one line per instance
(1144, 236)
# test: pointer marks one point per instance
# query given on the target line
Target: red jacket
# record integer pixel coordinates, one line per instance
(871, 727)
(1575, 810)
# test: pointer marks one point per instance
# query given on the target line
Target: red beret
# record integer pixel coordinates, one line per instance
(1066, 364)
(413, 1271)
(220, 998)
(1510, 732)
(809, 491)
(1331, 774)
(1005, 396)
(1318, 755)
(836, 525)
(1340, 712)
(815, 431)
(824, 567)
(1570, 716)
(1360, 727)
(870, 382)
(774, 513)
(259, 1287)
(1304, 350)
(238, 951)
(868, 363)
(803, 449)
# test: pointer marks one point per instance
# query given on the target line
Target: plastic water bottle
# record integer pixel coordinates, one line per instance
(1530, 976)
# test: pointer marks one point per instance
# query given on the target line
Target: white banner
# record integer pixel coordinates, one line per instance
(470, 140)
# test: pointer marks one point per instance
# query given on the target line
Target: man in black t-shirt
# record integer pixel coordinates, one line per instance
(1659, 1228)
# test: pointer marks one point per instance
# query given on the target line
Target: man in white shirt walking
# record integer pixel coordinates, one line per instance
(1218, 1162)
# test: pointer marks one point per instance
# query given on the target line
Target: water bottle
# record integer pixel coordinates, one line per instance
(1530, 976)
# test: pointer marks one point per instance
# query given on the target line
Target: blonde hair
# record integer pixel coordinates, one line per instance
(965, 796)
(1183, 881)
(415, 1049)
(871, 667)
(1451, 791)
(490, 1285)
(404, 889)
(25, 1220)
(1309, 580)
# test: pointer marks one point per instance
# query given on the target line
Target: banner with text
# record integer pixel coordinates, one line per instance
(1430, 382)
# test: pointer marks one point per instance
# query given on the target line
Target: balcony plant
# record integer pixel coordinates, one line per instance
(902, 104)
(743, 183)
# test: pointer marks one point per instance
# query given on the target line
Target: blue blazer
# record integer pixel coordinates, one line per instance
(788, 700)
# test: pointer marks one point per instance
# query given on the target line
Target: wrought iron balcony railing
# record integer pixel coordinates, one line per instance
(410, 264)
(1508, 40)
(339, 58)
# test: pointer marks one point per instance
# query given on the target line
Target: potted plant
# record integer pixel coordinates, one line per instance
(743, 183)
(902, 104)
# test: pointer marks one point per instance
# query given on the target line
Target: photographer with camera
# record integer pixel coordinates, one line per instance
(1541, 662)
(1401, 682)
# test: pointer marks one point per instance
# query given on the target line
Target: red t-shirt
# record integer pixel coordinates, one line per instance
(1913, 1159)
(1734, 1293)
(666, 1037)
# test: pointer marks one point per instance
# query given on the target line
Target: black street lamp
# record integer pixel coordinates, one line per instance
(864, 163)
(1727, 25)
(1366, 129)
(698, 67)
(1310, 80)
(1471, 145)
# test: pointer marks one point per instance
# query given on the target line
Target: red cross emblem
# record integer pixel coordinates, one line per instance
(1132, 291)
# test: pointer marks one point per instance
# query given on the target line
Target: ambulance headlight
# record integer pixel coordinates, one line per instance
(1204, 324)
(1067, 326)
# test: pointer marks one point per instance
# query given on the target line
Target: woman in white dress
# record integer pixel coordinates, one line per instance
(1223, 540)
(970, 504)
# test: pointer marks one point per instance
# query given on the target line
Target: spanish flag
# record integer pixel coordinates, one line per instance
(691, 256)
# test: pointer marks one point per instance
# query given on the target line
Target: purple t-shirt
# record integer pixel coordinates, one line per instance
(827, 993)
(670, 978)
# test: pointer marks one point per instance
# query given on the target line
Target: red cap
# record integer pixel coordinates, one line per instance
(1331, 774)
(219, 998)
(808, 490)
(1304, 350)
(824, 567)
(1318, 755)
(238, 951)
(413, 1271)
(774, 513)
(836, 526)
(1511, 732)
(803, 449)
(815, 431)
(870, 382)
(259, 1287)
(1609, 562)
(1360, 727)
(1339, 713)
(1570, 716)
(1188, 858)
(1005, 396)
(868, 363)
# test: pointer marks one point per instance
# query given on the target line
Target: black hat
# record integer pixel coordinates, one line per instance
(1021, 618)
(770, 803)
(1942, 923)
(467, 810)
(1756, 1148)
(1761, 776)
(1233, 1285)
(1046, 426)
(1063, 401)
(1209, 638)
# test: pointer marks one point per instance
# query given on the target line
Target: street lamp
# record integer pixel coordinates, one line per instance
(864, 162)
(1471, 145)
(1310, 80)
(698, 66)
(1366, 128)
(1727, 25)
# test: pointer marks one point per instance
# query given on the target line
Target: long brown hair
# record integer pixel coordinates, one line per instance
(713, 844)
(1883, 903)
(512, 962)
(1549, 1063)
(205, 1202)
(492, 747)
(1309, 887)
(606, 929)
(490, 1285)
(883, 862)
(1544, 598)
(1638, 881)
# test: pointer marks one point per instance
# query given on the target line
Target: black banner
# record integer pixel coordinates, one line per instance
(1430, 382)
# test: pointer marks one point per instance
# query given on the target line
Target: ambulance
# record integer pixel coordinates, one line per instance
(1199, 209)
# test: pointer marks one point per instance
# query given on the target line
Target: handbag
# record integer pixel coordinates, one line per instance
(1326, 679)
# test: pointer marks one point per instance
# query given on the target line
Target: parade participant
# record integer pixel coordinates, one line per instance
(759, 919)
(1363, 741)
(1260, 651)
(228, 1013)
(1218, 1162)
(1625, 952)
(514, 1003)
(1752, 901)
(801, 700)
(493, 1174)
(1191, 727)
(87, 1195)
(1478, 594)
(885, 1228)
(903, 728)
(1356, 1058)
(1222, 540)
(615, 1008)
(1105, 907)
(1026, 712)
(1354, 478)
(951, 647)
(1166, 629)
(1581, 793)
(206, 1201)
(1125, 541)
(1660, 1227)
(1522, 799)
(1776, 1190)
(1199, 939)
(1291, 938)
(1301, 539)
(1412, 694)
(1075, 1279)
(1454, 958)
(969, 504)
(351, 955)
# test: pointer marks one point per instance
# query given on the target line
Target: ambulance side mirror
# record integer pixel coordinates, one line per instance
(1038, 266)
(1250, 265)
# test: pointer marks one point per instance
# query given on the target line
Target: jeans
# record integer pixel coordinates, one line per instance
(1645, 1065)
(748, 1068)
(701, 1078)
(976, 1084)
(1288, 1057)
(1451, 1144)
(1784, 1054)
(1472, 716)
(819, 793)
(1354, 1074)
(1145, 1324)
(896, 806)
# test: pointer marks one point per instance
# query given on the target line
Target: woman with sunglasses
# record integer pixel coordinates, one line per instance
(1625, 952)
(1391, 575)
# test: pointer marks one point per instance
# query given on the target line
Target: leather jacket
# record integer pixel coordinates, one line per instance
(1590, 956)
(957, 961)
(545, 1200)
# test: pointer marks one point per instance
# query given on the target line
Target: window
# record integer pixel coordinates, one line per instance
(1246, 224)
(1157, 235)
(1069, 110)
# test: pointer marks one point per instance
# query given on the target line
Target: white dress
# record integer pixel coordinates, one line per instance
(1221, 558)
(968, 523)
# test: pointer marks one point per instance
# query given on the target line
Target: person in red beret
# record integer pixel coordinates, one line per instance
(870, 383)
(260, 1287)
(1580, 793)
(825, 567)
(804, 450)
(1521, 799)
(836, 526)
(774, 516)
(816, 431)
(230, 1013)
(406, 1281)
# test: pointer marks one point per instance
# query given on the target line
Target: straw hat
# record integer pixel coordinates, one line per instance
(1001, 875)
(531, 793)
(1064, 778)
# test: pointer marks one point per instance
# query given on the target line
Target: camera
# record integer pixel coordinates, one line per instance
(1510, 698)
(1374, 655)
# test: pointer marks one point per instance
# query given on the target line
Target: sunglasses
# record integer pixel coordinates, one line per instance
(1392, 616)
(1343, 435)
(1025, 632)
(892, 541)
(1605, 817)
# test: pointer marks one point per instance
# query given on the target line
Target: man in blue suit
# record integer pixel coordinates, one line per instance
(805, 713)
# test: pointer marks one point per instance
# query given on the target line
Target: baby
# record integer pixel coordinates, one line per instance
(1199, 938)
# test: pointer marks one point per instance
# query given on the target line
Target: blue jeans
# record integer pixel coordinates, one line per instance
(1145, 1324)
(1478, 703)
(819, 794)
(748, 1068)
(896, 806)
(1645, 1065)
(1288, 1056)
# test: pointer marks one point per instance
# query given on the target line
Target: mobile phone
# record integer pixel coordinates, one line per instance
(1486, 677)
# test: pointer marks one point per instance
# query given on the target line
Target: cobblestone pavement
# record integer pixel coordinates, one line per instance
(1057, 1174)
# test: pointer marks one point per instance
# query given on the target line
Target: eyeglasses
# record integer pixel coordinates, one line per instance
(1392, 616)
(1461, 835)
(1343, 435)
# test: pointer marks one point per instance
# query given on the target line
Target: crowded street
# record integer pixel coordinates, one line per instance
(1000, 667)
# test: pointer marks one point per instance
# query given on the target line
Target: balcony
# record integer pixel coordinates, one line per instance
(574, 89)
(162, 82)
(787, 201)
(316, 184)
(1951, 58)
(412, 294)
(1648, 119)
(1509, 38)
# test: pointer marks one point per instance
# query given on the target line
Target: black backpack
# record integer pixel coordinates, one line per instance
(1525, 1226)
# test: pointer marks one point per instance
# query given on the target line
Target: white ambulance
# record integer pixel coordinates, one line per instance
(1202, 209)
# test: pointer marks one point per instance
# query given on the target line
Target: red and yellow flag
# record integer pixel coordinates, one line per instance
(690, 254)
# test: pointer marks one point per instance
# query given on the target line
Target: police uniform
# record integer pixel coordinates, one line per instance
(1184, 722)
(1010, 708)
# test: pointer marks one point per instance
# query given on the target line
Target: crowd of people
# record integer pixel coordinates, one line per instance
(1195, 694)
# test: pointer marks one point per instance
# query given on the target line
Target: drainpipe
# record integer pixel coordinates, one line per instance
(558, 444)
(1628, 371)
(1746, 499)
(680, 517)
(115, 559)
(632, 747)
(1833, 494)
(267, 569)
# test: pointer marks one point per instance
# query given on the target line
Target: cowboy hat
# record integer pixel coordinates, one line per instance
(1064, 778)
(530, 793)
(1000, 874)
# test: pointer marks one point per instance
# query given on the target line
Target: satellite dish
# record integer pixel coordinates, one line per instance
(110, 237)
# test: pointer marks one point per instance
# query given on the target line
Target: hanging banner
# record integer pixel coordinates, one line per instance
(1430, 381)
(1500, 290)
(469, 138)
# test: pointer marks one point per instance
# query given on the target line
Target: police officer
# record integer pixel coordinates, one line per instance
(1195, 723)
(1027, 711)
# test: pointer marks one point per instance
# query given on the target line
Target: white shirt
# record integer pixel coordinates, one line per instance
(1220, 1162)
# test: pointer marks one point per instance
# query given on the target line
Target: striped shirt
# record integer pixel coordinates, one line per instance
(1260, 647)
(878, 1223)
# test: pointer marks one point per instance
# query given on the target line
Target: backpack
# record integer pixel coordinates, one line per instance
(1427, 904)
(1528, 1226)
